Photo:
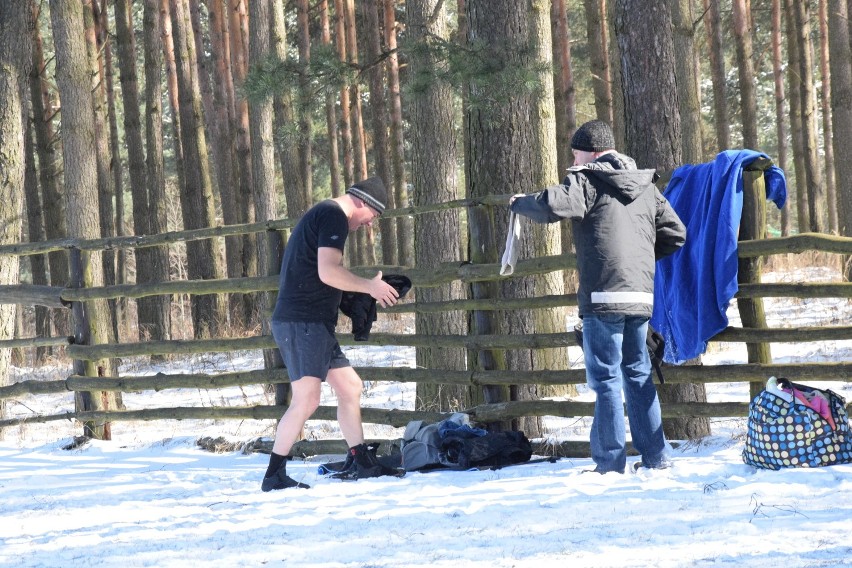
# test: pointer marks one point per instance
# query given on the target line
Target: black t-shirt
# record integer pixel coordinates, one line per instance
(302, 296)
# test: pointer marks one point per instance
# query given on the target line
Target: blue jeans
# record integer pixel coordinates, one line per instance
(615, 353)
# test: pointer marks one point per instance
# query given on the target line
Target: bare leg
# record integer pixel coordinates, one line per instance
(306, 398)
(347, 386)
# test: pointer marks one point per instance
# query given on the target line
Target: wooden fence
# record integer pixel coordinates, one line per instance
(754, 333)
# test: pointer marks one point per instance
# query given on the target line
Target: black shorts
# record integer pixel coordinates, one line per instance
(309, 349)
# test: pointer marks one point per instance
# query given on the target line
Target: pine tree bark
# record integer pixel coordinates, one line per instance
(203, 257)
(379, 117)
(827, 130)
(596, 31)
(172, 92)
(566, 115)
(330, 111)
(106, 189)
(345, 112)
(158, 311)
(795, 97)
(780, 98)
(653, 135)
(126, 48)
(14, 62)
(616, 88)
(404, 225)
(305, 98)
(123, 256)
(73, 79)
(287, 137)
(223, 123)
(263, 167)
(434, 176)
(817, 205)
(365, 238)
(841, 111)
(544, 240)
(745, 66)
(35, 230)
(53, 200)
(244, 308)
(713, 25)
(692, 142)
(563, 89)
(512, 145)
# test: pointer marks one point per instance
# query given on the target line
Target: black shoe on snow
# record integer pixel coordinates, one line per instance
(280, 480)
(366, 465)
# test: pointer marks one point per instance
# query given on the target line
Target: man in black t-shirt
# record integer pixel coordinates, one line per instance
(313, 279)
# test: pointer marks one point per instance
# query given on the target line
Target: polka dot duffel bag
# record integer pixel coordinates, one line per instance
(794, 425)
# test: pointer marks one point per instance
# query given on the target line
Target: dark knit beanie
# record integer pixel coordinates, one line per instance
(372, 192)
(594, 136)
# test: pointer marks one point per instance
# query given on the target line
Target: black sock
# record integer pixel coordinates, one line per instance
(275, 461)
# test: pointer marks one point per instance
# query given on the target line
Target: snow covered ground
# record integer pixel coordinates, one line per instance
(151, 497)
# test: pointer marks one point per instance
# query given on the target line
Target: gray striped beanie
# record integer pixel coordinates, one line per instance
(372, 192)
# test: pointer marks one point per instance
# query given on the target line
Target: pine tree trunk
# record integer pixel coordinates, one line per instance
(172, 89)
(365, 238)
(123, 256)
(817, 205)
(345, 112)
(404, 225)
(563, 89)
(379, 116)
(827, 131)
(512, 143)
(616, 88)
(203, 257)
(52, 198)
(14, 62)
(780, 97)
(434, 175)
(158, 309)
(222, 122)
(795, 97)
(346, 137)
(306, 95)
(596, 31)
(653, 134)
(35, 230)
(263, 168)
(73, 78)
(330, 112)
(713, 25)
(841, 111)
(745, 66)
(126, 48)
(244, 304)
(103, 156)
(566, 116)
(692, 143)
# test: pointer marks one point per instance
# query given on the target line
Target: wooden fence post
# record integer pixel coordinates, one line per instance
(81, 278)
(753, 226)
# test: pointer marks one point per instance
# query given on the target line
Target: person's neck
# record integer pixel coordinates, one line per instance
(345, 202)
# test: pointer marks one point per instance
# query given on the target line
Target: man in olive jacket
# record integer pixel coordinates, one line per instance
(622, 224)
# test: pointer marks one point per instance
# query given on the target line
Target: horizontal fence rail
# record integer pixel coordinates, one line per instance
(65, 297)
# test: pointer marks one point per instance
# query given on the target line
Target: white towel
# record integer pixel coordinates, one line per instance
(772, 386)
(510, 255)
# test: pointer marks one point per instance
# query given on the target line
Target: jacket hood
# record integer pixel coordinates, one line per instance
(620, 172)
